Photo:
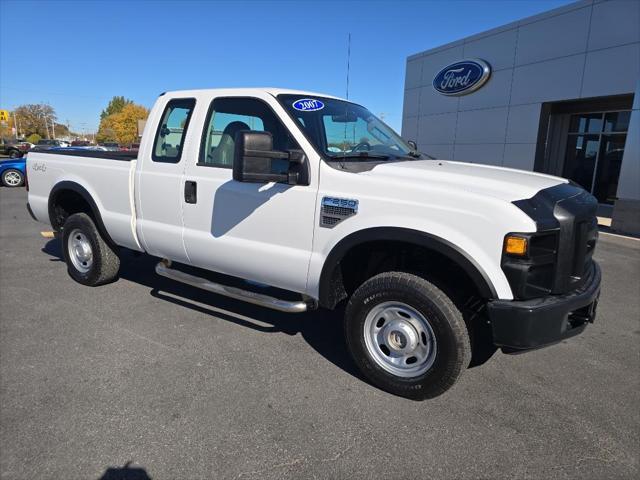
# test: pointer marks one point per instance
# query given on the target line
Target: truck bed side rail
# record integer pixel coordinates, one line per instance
(123, 156)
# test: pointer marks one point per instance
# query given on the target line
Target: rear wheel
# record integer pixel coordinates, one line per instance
(12, 178)
(406, 336)
(15, 154)
(90, 260)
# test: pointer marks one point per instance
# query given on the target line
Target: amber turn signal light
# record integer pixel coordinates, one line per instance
(515, 246)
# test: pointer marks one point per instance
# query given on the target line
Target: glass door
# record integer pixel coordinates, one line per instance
(595, 146)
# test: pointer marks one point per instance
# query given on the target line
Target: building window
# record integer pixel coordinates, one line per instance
(595, 147)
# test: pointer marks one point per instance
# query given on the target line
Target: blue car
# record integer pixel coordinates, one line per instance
(12, 172)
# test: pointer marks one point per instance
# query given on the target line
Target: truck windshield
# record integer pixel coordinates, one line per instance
(345, 131)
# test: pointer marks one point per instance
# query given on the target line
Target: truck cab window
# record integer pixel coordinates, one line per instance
(227, 117)
(172, 130)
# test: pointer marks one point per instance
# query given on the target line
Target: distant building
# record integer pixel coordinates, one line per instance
(562, 97)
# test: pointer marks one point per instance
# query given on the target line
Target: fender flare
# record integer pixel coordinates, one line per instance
(80, 190)
(477, 275)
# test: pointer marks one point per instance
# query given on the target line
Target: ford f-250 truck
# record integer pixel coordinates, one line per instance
(297, 201)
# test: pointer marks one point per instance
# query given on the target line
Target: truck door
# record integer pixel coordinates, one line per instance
(159, 192)
(260, 232)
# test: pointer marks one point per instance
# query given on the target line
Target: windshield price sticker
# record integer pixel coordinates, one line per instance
(308, 105)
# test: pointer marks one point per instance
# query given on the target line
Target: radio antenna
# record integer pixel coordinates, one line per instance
(348, 62)
(344, 143)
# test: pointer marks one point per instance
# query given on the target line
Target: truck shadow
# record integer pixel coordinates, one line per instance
(321, 329)
(126, 472)
(246, 198)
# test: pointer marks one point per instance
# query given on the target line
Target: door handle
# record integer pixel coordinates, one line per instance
(190, 192)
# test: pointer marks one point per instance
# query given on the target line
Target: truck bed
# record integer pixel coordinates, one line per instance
(107, 176)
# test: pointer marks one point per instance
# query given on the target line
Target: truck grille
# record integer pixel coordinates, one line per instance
(562, 248)
(578, 236)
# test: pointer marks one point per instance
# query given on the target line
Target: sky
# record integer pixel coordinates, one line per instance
(76, 55)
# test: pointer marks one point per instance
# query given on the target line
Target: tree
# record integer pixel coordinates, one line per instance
(122, 127)
(106, 132)
(115, 106)
(35, 118)
(62, 130)
(34, 138)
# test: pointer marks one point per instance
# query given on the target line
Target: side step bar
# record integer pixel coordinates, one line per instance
(164, 268)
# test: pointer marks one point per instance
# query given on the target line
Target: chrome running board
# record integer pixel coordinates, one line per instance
(164, 268)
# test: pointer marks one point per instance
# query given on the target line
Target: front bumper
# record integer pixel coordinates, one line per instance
(527, 324)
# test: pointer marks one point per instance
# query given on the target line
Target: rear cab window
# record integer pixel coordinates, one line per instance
(172, 130)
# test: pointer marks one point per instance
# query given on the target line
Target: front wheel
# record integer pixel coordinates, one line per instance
(12, 178)
(406, 336)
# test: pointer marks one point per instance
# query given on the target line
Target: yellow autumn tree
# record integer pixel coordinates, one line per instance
(122, 126)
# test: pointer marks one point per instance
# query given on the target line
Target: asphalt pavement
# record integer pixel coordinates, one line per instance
(146, 378)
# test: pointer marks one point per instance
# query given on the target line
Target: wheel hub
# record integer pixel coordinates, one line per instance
(401, 336)
(400, 339)
(12, 178)
(80, 251)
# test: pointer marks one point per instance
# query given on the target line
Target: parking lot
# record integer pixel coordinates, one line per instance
(184, 384)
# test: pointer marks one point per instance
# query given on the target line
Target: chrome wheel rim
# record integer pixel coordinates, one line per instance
(80, 251)
(400, 339)
(12, 179)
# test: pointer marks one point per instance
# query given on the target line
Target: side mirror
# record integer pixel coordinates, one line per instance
(252, 156)
(413, 145)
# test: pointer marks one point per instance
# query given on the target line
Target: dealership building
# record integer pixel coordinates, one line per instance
(557, 93)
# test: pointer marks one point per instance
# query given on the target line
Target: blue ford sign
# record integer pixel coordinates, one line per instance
(308, 105)
(462, 77)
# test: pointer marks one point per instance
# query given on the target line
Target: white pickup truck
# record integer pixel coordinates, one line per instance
(298, 200)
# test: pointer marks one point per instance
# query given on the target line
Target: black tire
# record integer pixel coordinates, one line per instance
(15, 154)
(453, 352)
(12, 172)
(105, 263)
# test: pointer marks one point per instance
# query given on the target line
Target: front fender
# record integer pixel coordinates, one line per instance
(461, 258)
(474, 243)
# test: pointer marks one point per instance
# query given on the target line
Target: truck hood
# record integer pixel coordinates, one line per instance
(503, 183)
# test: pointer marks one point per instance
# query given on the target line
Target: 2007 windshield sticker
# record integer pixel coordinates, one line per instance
(308, 105)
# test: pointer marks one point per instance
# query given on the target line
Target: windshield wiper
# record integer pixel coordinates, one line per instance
(361, 155)
(415, 155)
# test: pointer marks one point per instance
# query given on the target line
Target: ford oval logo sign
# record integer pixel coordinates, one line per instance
(462, 77)
(308, 105)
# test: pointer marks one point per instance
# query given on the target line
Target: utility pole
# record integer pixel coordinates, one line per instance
(15, 124)
(43, 117)
(53, 124)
